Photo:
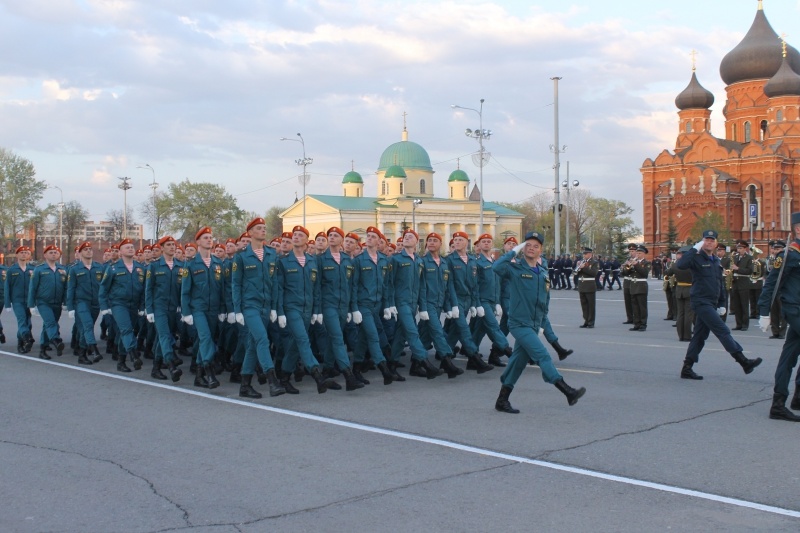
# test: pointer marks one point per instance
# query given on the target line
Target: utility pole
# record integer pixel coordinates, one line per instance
(556, 168)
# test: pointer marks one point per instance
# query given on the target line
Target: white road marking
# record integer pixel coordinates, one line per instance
(437, 442)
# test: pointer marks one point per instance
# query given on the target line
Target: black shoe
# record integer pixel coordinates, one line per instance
(448, 366)
(211, 377)
(628, 322)
(262, 377)
(796, 400)
(776, 336)
(246, 389)
(299, 373)
(43, 354)
(417, 370)
(287, 386)
(275, 388)
(148, 353)
(358, 375)
(642, 328)
(82, 359)
(175, 372)
(431, 371)
(200, 378)
(350, 380)
(634, 328)
(323, 384)
(58, 344)
(503, 404)
(584, 325)
(590, 326)
(236, 374)
(778, 411)
(687, 372)
(494, 357)
(748, 365)
(480, 364)
(573, 395)
(121, 366)
(669, 318)
(388, 375)
(737, 328)
(562, 352)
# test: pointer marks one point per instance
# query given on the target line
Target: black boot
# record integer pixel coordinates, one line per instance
(778, 411)
(246, 390)
(351, 383)
(2, 337)
(796, 400)
(430, 370)
(121, 366)
(43, 353)
(502, 404)
(94, 353)
(299, 373)
(262, 377)
(82, 359)
(448, 366)
(236, 374)
(323, 384)
(358, 375)
(494, 357)
(572, 395)
(175, 372)
(687, 372)
(200, 378)
(747, 364)
(286, 384)
(20, 346)
(275, 388)
(562, 352)
(58, 344)
(133, 355)
(393, 366)
(417, 370)
(211, 377)
(388, 377)
(156, 372)
(479, 364)
(148, 352)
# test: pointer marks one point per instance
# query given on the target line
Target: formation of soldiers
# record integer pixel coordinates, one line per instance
(289, 307)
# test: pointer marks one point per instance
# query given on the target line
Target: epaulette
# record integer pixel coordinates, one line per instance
(795, 247)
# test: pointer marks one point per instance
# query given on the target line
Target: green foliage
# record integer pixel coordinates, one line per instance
(672, 235)
(20, 193)
(710, 220)
(274, 222)
(73, 219)
(195, 205)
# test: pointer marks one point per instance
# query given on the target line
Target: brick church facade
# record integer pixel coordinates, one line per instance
(758, 161)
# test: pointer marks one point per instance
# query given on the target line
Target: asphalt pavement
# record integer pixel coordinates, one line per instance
(88, 449)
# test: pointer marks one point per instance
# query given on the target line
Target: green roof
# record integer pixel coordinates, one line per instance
(352, 177)
(350, 203)
(395, 171)
(406, 154)
(458, 175)
(500, 210)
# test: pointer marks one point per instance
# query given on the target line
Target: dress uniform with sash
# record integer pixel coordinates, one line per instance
(777, 321)
(121, 294)
(47, 294)
(15, 297)
(530, 299)
(83, 290)
(684, 316)
(587, 269)
(784, 283)
(162, 299)
(742, 266)
(638, 271)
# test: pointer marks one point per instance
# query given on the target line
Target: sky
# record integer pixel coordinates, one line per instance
(92, 90)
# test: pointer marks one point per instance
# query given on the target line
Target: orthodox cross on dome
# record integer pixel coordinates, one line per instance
(694, 60)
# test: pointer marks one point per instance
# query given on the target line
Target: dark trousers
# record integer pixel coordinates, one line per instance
(740, 307)
(707, 320)
(670, 303)
(684, 317)
(777, 321)
(791, 349)
(626, 295)
(588, 302)
(639, 304)
(755, 294)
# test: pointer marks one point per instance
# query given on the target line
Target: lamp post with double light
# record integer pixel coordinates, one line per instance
(480, 134)
(304, 162)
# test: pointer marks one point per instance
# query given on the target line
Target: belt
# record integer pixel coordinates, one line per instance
(682, 284)
(741, 275)
(638, 279)
(586, 279)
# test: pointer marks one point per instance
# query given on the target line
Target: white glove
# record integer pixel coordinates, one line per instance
(188, 320)
(64, 307)
(178, 310)
(472, 312)
(240, 319)
(105, 312)
(721, 311)
(282, 321)
(72, 314)
(34, 311)
(698, 245)
(393, 310)
(455, 311)
(273, 315)
(349, 317)
(541, 330)
(423, 315)
(357, 317)
(498, 311)
(448, 314)
(518, 248)
(481, 311)
(231, 318)
(319, 318)
(140, 312)
(8, 309)
(387, 313)
(151, 317)
(313, 318)
(764, 323)
(221, 317)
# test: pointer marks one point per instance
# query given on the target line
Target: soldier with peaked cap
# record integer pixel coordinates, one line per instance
(684, 316)
(586, 269)
(530, 300)
(626, 285)
(121, 294)
(742, 267)
(3, 272)
(638, 271)
(46, 295)
(707, 300)
(203, 304)
(255, 299)
(83, 304)
(162, 298)
(784, 283)
(756, 279)
(777, 321)
(15, 297)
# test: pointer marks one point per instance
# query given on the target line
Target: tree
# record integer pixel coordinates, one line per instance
(710, 220)
(274, 222)
(160, 214)
(579, 215)
(672, 234)
(195, 205)
(74, 220)
(36, 221)
(116, 217)
(20, 193)
(610, 224)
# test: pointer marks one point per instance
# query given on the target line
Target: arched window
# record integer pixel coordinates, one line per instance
(747, 134)
(763, 129)
(688, 126)
(422, 186)
(465, 191)
(780, 115)
(401, 188)
(383, 188)
(451, 191)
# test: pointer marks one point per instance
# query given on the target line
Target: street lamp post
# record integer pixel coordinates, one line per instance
(568, 186)
(544, 230)
(153, 186)
(480, 134)
(414, 204)
(304, 179)
(60, 216)
(124, 186)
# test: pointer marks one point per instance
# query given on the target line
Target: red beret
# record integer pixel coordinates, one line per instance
(83, 245)
(322, 234)
(230, 241)
(244, 235)
(114, 247)
(334, 229)
(23, 249)
(376, 231)
(51, 247)
(255, 222)
(202, 231)
(485, 236)
(123, 242)
(164, 240)
(312, 243)
(392, 245)
(275, 240)
(451, 242)
(220, 246)
(286, 235)
(147, 247)
(156, 246)
(434, 236)
(354, 236)
(301, 228)
(409, 230)
(190, 245)
(460, 234)
(511, 239)
(107, 251)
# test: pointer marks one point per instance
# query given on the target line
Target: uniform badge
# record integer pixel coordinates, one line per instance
(217, 273)
(148, 274)
(778, 262)
(313, 276)
(227, 272)
(446, 275)
(99, 276)
(234, 266)
(184, 272)
(271, 269)
(349, 272)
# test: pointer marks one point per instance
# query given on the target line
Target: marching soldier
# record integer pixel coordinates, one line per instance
(784, 284)
(777, 321)
(46, 296)
(742, 267)
(489, 310)
(707, 300)
(529, 307)
(121, 295)
(15, 297)
(638, 271)
(587, 269)
(83, 304)
(161, 300)
(682, 291)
